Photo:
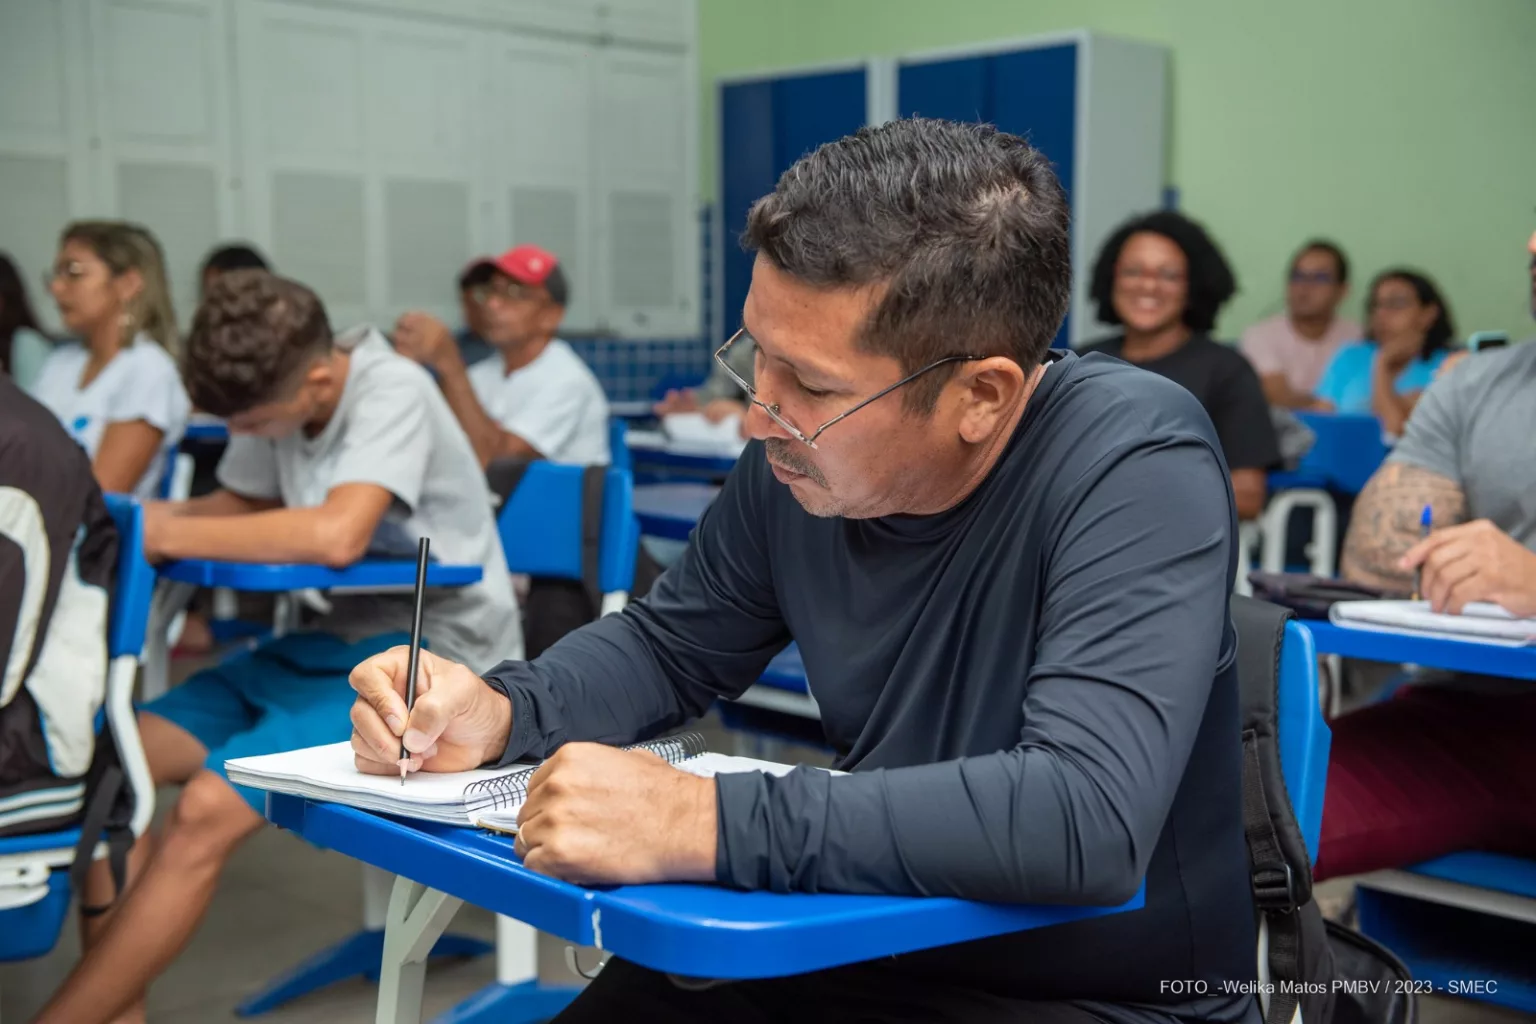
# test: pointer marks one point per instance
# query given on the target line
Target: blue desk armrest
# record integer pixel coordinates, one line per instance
(1427, 651)
(369, 573)
(696, 930)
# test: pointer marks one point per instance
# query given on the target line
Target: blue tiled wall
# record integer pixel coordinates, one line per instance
(631, 370)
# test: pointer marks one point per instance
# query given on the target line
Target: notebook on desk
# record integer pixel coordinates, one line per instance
(1479, 622)
(484, 798)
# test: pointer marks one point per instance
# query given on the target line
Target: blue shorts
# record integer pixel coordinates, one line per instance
(286, 694)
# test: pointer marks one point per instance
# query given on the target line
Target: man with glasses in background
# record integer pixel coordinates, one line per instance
(1007, 569)
(1290, 350)
(535, 399)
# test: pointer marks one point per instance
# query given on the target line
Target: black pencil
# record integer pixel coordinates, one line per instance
(415, 658)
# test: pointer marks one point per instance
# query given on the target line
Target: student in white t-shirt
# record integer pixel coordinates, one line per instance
(535, 399)
(117, 389)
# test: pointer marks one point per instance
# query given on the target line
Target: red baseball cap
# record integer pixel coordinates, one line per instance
(526, 263)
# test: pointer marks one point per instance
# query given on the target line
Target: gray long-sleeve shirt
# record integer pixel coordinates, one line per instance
(1034, 692)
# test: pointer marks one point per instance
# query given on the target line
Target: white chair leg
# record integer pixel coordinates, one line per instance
(517, 951)
(377, 885)
(417, 918)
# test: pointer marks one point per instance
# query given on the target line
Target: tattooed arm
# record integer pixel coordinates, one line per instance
(1385, 522)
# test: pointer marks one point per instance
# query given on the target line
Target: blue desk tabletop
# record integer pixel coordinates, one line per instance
(787, 671)
(672, 510)
(653, 451)
(1427, 651)
(695, 930)
(370, 573)
(206, 429)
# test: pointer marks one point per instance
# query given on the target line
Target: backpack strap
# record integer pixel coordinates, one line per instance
(95, 824)
(593, 480)
(1280, 873)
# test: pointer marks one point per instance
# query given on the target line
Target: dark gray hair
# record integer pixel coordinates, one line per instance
(965, 225)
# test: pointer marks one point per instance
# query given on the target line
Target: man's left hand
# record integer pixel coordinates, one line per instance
(1475, 561)
(425, 339)
(597, 815)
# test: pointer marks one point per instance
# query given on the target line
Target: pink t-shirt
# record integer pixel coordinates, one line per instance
(1273, 346)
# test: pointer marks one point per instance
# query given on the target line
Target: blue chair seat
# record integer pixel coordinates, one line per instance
(1484, 870)
(31, 931)
(41, 841)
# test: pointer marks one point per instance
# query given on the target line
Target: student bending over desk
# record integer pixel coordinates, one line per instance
(1441, 768)
(339, 447)
(1007, 569)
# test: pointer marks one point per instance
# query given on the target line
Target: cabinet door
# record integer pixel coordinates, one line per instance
(162, 98)
(362, 136)
(539, 114)
(648, 231)
(45, 135)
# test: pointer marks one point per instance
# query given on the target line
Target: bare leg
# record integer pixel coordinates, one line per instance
(168, 890)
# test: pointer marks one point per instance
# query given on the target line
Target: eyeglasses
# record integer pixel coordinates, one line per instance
(1162, 275)
(783, 421)
(72, 270)
(1312, 277)
(506, 291)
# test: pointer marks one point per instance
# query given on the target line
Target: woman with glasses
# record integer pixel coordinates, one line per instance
(1290, 350)
(116, 388)
(1163, 280)
(1409, 325)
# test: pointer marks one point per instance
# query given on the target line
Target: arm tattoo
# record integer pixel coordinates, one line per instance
(1385, 522)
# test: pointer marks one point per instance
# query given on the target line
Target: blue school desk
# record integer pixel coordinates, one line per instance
(672, 510)
(1425, 651)
(657, 459)
(696, 931)
(206, 429)
(362, 953)
(1468, 916)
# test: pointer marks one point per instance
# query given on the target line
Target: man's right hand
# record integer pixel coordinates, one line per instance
(458, 723)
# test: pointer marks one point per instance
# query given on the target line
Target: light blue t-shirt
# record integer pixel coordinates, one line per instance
(1347, 381)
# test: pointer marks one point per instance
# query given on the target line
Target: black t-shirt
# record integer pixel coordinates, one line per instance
(1227, 387)
(1035, 693)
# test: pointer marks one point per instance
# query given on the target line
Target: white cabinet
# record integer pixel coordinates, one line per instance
(645, 170)
(369, 147)
(161, 94)
(45, 134)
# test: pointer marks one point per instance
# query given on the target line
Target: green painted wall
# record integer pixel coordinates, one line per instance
(1405, 129)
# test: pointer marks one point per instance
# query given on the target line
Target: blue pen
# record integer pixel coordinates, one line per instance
(1426, 523)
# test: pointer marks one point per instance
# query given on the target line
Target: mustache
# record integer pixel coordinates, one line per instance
(787, 455)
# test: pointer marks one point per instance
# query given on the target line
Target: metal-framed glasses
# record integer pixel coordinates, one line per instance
(783, 421)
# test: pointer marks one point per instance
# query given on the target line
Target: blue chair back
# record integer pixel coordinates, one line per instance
(1349, 448)
(1304, 734)
(540, 526)
(135, 579)
(618, 444)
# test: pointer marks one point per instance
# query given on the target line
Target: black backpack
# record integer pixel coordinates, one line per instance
(1332, 973)
(58, 565)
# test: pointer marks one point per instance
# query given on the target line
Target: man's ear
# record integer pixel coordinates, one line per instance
(990, 390)
(550, 317)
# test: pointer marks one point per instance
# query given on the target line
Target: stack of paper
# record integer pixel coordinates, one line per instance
(690, 431)
(1484, 623)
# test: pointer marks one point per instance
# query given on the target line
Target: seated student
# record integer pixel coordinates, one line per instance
(1007, 569)
(538, 400)
(719, 397)
(1445, 766)
(23, 346)
(224, 259)
(339, 448)
(1409, 327)
(1290, 350)
(1164, 280)
(116, 389)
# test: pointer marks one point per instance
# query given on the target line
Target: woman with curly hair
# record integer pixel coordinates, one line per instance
(1162, 279)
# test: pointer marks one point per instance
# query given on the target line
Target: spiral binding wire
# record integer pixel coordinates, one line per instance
(510, 790)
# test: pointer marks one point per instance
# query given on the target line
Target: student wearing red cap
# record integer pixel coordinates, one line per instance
(536, 399)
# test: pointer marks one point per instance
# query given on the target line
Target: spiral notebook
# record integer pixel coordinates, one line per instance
(1479, 621)
(485, 797)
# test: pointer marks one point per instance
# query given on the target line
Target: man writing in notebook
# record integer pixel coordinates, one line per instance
(1447, 765)
(339, 448)
(1007, 569)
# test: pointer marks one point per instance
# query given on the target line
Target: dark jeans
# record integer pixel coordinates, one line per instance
(873, 991)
